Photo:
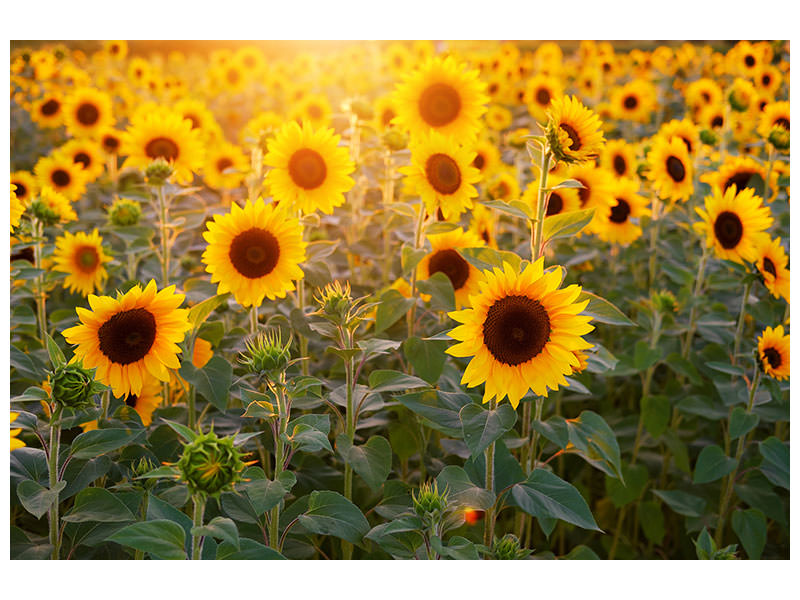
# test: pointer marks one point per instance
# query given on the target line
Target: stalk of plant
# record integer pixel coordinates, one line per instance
(727, 489)
(737, 340)
(655, 221)
(52, 469)
(163, 211)
(279, 390)
(698, 286)
(40, 295)
(488, 523)
(770, 163)
(388, 198)
(418, 230)
(197, 521)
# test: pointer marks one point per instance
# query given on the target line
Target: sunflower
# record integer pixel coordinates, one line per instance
(670, 169)
(737, 172)
(618, 226)
(487, 157)
(573, 131)
(87, 111)
(26, 186)
(255, 252)
(619, 157)
(773, 351)
(117, 49)
(734, 223)
(597, 192)
(712, 117)
(263, 124)
(441, 172)
(57, 203)
(742, 95)
(445, 258)
(163, 134)
(59, 172)
(634, 101)
(313, 108)
(558, 201)
(441, 95)
(503, 186)
(397, 58)
(16, 443)
(775, 114)
(498, 118)
(702, 93)
(522, 331)
(88, 154)
(146, 401)
(768, 79)
(110, 141)
(81, 256)
(225, 166)
(385, 111)
(202, 119)
(772, 261)
(539, 91)
(745, 58)
(484, 224)
(48, 111)
(131, 337)
(684, 129)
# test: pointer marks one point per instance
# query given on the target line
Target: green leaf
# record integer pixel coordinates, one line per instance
(462, 492)
(56, 355)
(742, 422)
(775, 465)
(440, 227)
(98, 504)
(399, 538)
(566, 224)
(307, 438)
(596, 442)
(409, 259)
(682, 503)
(481, 427)
(751, 528)
(80, 473)
(372, 461)
(544, 494)
(213, 381)
(426, 356)
(624, 493)
(651, 519)
(603, 311)
(392, 308)
(161, 538)
(439, 409)
(515, 208)
(712, 464)
(265, 494)
(704, 545)
(457, 548)
(385, 380)
(259, 405)
(250, 550)
(485, 258)
(581, 552)
(100, 441)
(440, 289)
(330, 513)
(162, 472)
(220, 528)
(36, 498)
(726, 368)
(182, 430)
(200, 311)
(644, 356)
(27, 365)
(656, 413)
(554, 429)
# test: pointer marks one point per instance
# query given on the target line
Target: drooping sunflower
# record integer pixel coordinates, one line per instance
(619, 226)
(87, 111)
(441, 95)
(309, 170)
(48, 111)
(225, 166)
(17, 208)
(88, 154)
(522, 331)
(26, 187)
(772, 261)
(597, 192)
(573, 131)
(60, 173)
(441, 172)
(445, 258)
(255, 252)
(131, 336)
(619, 157)
(163, 134)
(81, 256)
(775, 114)
(670, 169)
(773, 351)
(734, 223)
(684, 129)
(737, 172)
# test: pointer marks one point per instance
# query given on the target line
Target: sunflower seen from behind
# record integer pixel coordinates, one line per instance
(670, 169)
(131, 336)
(521, 331)
(82, 258)
(734, 223)
(310, 171)
(444, 257)
(255, 252)
(773, 352)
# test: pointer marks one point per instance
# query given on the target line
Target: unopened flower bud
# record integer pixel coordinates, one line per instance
(709, 137)
(72, 387)
(210, 465)
(779, 138)
(395, 140)
(430, 504)
(267, 355)
(158, 171)
(508, 548)
(124, 212)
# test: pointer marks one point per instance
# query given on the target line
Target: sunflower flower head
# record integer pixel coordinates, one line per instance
(210, 465)
(52, 207)
(573, 131)
(773, 352)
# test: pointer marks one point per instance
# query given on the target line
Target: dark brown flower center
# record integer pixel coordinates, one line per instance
(87, 114)
(50, 107)
(543, 96)
(555, 205)
(131, 399)
(87, 259)
(750, 60)
(315, 112)
(451, 264)
(705, 96)
(584, 193)
(769, 266)
(676, 169)
(516, 329)
(254, 253)
(21, 190)
(766, 79)
(728, 229)
(479, 161)
(688, 143)
(739, 180)
(127, 336)
(782, 122)
(307, 169)
(630, 102)
(621, 212)
(773, 357)
(224, 163)
(60, 178)
(439, 104)
(162, 147)
(110, 143)
(620, 166)
(716, 122)
(84, 159)
(575, 139)
(195, 121)
(443, 173)
(387, 116)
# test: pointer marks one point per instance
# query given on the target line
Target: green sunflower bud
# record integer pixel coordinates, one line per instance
(124, 212)
(664, 301)
(44, 213)
(210, 465)
(779, 138)
(508, 548)
(738, 101)
(430, 504)
(395, 140)
(158, 171)
(334, 302)
(267, 355)
(72, 386)
(709, 137)
(362, 109)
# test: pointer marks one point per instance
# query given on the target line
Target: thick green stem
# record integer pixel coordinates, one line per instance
(52, 468)
(654, 223)
(350, 432)
(162, 224)
(139, 555)
(420, 225)
(488, 524)
(41, 298)
(737, 340)
(388, 198)
(537, 228)
(199, 509)
(253, 319)
(698, 284)
(770, 163)
(283, 419)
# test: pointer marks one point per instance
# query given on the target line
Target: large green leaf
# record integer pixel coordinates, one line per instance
(461, 490)
(36, 498)
(426, 356)
(625, 493)
(682, 502)
(440, 289)
(775, 465)
(751, 528)
(742, 422)
(330, 513)
(163, 539)
(566, 224)
(656, 413)
(250, 550)
(651, 519)
(544, 494)
(200, 311)
(98, 504)
(221, 528)
(213, 381)
(596, 442)
(372, 461)
(481, 427)
(392, 308)
(712, 464)
(439, 409)
(384, 380)
(603, 311)
(100, 441)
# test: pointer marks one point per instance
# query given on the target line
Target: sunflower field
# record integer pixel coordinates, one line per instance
(399, 300)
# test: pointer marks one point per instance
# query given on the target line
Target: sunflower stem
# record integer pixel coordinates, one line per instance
(301, 306)
(654, 223)
(162, 224)
(740, 324)
(52, 468)
(283, 419)
(388, 198)
(420, 226)
(770, 163)
(541, 207)
(41, 310)
(488, 525)
(725, 497)
(197, 540)
(350, 432)
(139, 555)
(253, 319)
(698, 285)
